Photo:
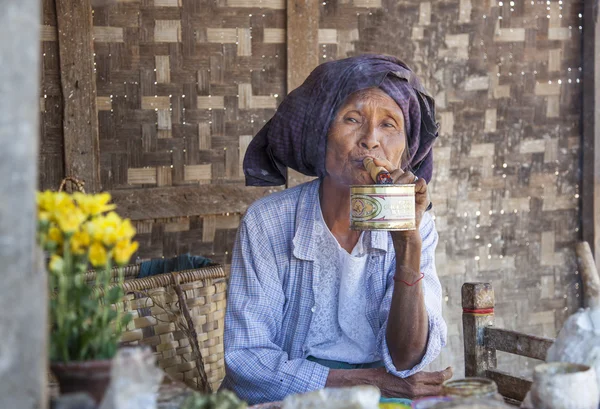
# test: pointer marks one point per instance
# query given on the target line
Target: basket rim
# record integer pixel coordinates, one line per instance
(215, 271)
(132, 270)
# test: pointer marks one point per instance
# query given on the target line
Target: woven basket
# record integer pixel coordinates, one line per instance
(164, 306)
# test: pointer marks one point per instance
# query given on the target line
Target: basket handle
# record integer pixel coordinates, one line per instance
(194, 341)
(79, 184)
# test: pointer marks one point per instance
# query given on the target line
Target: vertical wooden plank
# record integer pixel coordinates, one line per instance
(208, 228)
(302, 53)
(302, 40)
(23, 293)
(78, 83)
(478, 313)
(590, 187)
(163, 69)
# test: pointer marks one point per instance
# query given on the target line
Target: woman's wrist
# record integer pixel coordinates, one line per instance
(408, 259)
(348, 377)
(407, 241)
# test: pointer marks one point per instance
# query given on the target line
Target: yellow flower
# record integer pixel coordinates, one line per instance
(123, 251)
(110, 236)
(56, 264)
(43, 216)
(45, 199)
(80, 242)
(69, 220)
(97, 255)
(94, 228)
(126, 230)
(55, 235)
(110, 228)
(93, 205)
(53, 202)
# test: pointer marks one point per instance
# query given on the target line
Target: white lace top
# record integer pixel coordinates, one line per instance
(339, 330)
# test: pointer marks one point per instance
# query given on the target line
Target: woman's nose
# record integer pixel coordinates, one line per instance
(369, 140)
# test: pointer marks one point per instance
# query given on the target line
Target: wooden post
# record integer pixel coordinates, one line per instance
(23, 293)
(590, 187)
(589, 275)
(302, 53)
(302, 40)
(78, 82)
(478, 313)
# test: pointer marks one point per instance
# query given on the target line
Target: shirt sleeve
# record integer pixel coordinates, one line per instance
(258, 369)
(432, 294)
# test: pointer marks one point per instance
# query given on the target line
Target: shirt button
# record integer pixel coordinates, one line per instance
(314, 308)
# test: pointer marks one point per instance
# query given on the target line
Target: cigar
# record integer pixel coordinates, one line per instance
(378, 173)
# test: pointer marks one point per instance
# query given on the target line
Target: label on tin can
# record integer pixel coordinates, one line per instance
(382, 207)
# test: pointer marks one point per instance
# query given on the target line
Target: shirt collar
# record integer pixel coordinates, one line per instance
(307, 214)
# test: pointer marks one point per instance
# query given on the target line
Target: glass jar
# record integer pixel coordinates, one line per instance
(471, 388)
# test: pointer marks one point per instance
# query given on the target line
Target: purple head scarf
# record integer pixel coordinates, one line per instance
(296, 136)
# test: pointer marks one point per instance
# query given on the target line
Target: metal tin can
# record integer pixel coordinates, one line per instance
(382, 207)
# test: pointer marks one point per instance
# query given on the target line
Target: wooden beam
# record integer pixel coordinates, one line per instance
(161, 203)
(302, 53)
(509, 386)
(478, 307)
(78, 83)
(517, 343)
(590, 186)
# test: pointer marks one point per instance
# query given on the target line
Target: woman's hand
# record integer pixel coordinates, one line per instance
(421, 194)
(416, 386)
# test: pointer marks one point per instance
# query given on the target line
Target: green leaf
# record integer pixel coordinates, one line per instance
(112, 314)
(126, 319)
(115, 294)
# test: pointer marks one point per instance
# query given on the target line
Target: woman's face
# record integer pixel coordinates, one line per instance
(370, 123)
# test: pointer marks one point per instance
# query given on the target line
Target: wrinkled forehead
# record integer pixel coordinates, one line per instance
(373, 99)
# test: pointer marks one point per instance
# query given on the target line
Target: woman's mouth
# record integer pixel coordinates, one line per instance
(359, 161)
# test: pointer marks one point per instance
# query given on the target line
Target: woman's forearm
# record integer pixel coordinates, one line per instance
(408, 325)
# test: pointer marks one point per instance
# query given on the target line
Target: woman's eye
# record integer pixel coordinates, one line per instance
(353, 120)
(389, 125)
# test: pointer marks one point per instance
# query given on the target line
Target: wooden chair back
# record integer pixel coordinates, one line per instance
(482, 340)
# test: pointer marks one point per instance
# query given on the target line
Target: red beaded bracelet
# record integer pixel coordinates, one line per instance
(410, 284)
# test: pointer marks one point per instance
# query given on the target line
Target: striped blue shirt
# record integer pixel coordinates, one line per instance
(271, 297)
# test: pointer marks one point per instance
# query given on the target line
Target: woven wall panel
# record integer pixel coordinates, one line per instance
(182, 84)
(211, 236)
(507, 86)
(182, 87)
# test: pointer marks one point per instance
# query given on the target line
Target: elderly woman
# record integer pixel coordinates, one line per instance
(312, 303)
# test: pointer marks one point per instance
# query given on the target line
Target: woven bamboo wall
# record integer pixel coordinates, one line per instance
(181, 89)
(183, 86)
(209, 235)
(506, 77)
